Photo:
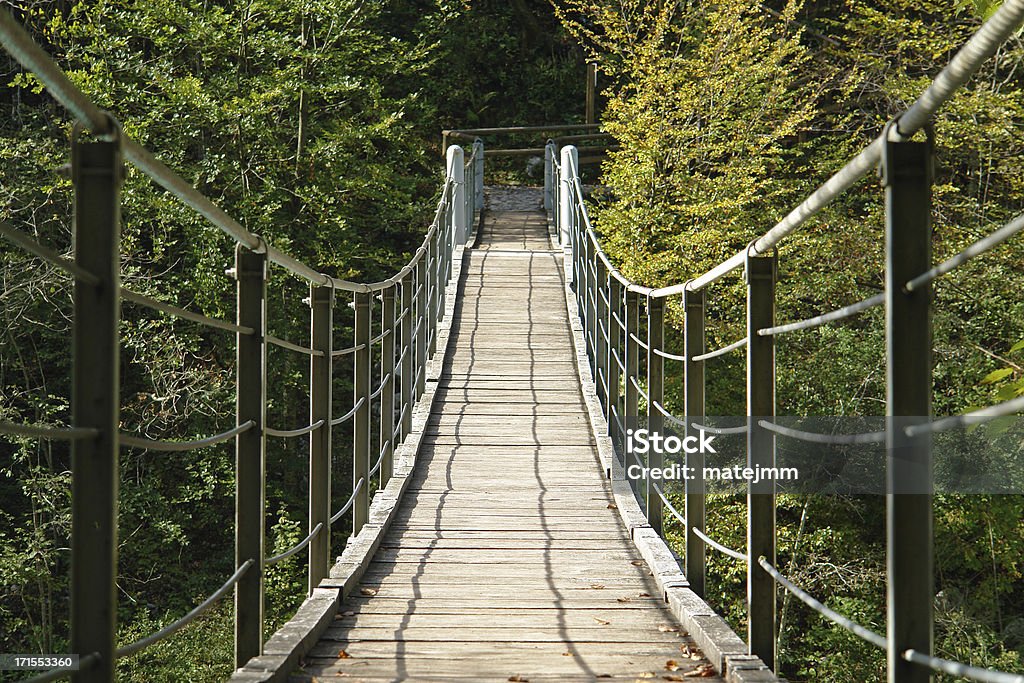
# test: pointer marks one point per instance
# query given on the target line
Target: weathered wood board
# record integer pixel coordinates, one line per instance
(507, 560)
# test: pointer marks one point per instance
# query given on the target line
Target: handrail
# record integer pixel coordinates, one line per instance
(284, 344)
(289, 433)
(22, 240)
(142, 644)
(421, 283)
(44, 432)
(147, 444)
(25, 50)
(981, 46)
(625, 368)
(177, 312)
(271, 561)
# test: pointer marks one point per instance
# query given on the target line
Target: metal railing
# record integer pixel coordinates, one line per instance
(406, 309)
(623, 327)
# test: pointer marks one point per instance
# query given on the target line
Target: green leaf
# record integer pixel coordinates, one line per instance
(1018, 346)
(997, 375)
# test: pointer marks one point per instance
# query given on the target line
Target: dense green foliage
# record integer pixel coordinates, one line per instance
(728, 114)
(316, 125)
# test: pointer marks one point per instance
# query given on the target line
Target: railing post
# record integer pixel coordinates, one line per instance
(591, 95)
(632, 361)
(97, 170)
(549, 177)
(693, 374)
(614, 352)
(593, 331)
(760, 276)
(420, 297)
(361, 461)
(570, 166)
(432, 300)
(250, 451)
(457, 175)
(387, 394)
(655, 394)
(478, 177)
(321, 301)
(907, 176)
(600, 343)
(408, 360)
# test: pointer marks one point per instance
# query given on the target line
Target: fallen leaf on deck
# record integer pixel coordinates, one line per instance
(637, 563)
(613, 506)
(665, 628)
(622, 599)
(518, 679)
(671, 665)
(673, 677)
(597, 586)
(567, 654)
(647, 674)
(702, 671)
(344, 655)
(643, 595)
(603, 622)
(368, 591)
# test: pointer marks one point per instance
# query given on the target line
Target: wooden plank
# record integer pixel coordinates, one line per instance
(505, 557)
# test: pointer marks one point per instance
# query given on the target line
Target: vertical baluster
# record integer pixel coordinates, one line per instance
(549, 178)
(361, 420)
(614, 357)
(420, 299)
(632, 360)
(478, 181)
(570, 160)
(693, 333)
(907, 176)
(250, 452)
(601, 347)
(760, 274)
(431, 296)
(655, 395)
(408, 357)
(97, 171)
(387, 394)
(321, 301)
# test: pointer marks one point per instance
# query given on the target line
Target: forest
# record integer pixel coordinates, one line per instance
(317, 125)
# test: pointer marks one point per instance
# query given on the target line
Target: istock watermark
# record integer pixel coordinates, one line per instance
(644, 441)
(825, 455)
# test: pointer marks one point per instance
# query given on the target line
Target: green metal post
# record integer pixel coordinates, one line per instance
(321, 300)
(431, 297)
(97, 170)
(632, 362)
(250, 452)
(408, 364)
(612, 407)
(655, 394)
(421, 323)
(591, 317)
(361, 420)
(693, 377)
(907, 176)
(600, 345)
(387, 394)
(760, 275)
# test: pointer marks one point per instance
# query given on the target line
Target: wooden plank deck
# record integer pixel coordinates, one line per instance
(507, 560)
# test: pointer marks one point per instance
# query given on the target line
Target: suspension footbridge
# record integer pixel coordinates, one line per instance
(492, 534)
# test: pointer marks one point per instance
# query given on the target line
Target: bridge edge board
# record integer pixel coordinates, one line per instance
(285, 649)
(717, 641)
